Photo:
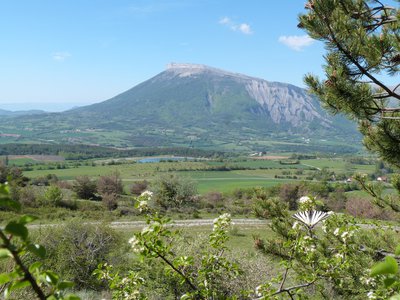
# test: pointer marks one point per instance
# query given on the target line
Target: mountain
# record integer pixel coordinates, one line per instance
(10, 113)
(199, 106)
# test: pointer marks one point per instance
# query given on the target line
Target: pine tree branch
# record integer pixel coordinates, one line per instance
(390, 109)
(348, 55)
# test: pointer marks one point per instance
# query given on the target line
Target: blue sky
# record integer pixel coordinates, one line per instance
(59, 54)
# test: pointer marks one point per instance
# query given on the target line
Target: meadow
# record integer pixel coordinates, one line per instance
(209, 175)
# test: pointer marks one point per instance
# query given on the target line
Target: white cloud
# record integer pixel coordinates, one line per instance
(61, 56)
(245, 28)
(296, 42)
(225, 21)
(242, 27)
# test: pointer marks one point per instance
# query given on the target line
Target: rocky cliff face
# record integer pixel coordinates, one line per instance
(283, 103)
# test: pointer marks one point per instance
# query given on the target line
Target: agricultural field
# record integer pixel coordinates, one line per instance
(210, 175)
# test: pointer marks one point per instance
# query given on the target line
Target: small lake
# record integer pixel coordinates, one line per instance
(160, 159)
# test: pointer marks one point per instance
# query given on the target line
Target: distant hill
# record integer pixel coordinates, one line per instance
(198, 106)
(10, 113)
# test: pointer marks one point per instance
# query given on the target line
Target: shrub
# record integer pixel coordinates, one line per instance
(362, 208)
(85, 188)
(40, 181)
(336, 201)
(27, 197)
(75, 249)
(45, 180)
(63, 184)
(52, 196)
(110, 201)
(111, 184)
(172, 191)
(138, 187)
(213, 200)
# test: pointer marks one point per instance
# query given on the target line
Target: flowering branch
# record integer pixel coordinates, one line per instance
(27, 275)
(187, 279)
(295, 287)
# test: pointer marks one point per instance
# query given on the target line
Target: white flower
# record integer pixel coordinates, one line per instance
(339, 255)
(310, 218)
(336, 232)
(124, 280)
(258, 291)
(295, 225)
(310, 249)
(368, 280)
(134, 242)
(223, 221)
(371, 295)
(142, 205)
(150, 228)
(344, 235)
(307, 238)
(147, 194)
(304, 200)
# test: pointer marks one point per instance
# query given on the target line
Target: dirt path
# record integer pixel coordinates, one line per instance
(200, 223)
(175, 223)
(189, 223)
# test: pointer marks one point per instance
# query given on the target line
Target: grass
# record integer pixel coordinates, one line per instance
(256, 173)
(258, 163)
(229, 185)
(20, 161)
(223, 181)
(338, 165)
(239, 239)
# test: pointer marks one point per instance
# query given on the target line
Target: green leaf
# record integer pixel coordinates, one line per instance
(397, 252)
(389, 266)
(17, 229)
(5, 253)
(18, 285)
(37, 249)
(27, 219)
(4, 189)
(395, 297)
(4, 278)
(65, 285)
(33, 267)
(389, 281)
(51, 277)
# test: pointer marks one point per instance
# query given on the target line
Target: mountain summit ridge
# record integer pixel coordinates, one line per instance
(190, 68)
